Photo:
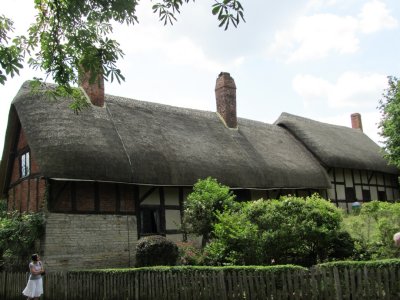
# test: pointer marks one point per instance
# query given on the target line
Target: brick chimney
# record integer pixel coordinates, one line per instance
(225, 94)
(356, 121)
(93, 86)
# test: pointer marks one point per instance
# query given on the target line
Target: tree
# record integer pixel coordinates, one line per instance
(390, 122)
(202, 205)
(71, 35)
(10, 54)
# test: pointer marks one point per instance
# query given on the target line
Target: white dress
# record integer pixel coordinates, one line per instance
(34, 288)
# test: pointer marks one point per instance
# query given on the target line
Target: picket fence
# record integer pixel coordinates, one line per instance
(317, 283)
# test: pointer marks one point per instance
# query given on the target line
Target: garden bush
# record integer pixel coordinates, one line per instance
(290, 230)
(373, 229)
(18, 234)
(156, 250)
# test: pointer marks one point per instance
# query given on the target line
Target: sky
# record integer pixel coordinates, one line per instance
(320, 59)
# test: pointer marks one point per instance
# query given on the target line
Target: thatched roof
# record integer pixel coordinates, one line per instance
(147, 143)
(337, 146)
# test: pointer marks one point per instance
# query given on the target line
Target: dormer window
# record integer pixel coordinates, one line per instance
(25, 165)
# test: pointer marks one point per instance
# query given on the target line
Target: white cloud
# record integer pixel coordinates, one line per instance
(351, 89)
(375, 16)
(316, 36)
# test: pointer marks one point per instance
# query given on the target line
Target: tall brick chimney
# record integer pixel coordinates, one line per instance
(356, 121)
(225, 94)
(93, 86)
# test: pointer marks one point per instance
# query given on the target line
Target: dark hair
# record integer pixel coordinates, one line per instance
(34, 257)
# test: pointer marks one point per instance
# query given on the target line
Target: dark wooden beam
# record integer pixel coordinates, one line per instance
(136, 199)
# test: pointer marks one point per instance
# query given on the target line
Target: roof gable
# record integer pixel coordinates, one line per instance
(337, 146)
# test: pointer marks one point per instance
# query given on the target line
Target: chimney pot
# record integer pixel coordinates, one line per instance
(225, 94)
(356, 121)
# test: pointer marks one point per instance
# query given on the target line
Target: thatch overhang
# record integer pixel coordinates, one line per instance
(147, 143)
(337, 146)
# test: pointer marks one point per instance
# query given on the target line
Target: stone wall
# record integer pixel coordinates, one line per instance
(78, 241)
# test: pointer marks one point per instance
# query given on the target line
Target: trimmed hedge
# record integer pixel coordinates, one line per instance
(394, 262)
(183, 269)
(156, 250)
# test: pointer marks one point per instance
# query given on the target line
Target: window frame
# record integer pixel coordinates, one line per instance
(25, 164)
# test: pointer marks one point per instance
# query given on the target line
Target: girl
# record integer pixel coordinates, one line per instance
(34, 288)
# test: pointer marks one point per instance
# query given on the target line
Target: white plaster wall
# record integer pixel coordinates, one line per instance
(358, 192)
(172, 219)
(340, 192)
(339, 174)
(153, 198)
(331, 194)
(380, 179)
(171, 196)
(176, 238)
(374, 193)
(389, 194)
(348, 178)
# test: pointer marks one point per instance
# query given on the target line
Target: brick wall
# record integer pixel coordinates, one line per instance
(27, 195)
(78, 241)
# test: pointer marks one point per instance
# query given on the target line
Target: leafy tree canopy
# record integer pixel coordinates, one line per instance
(202, 205)
(390, 122)
(71, 34)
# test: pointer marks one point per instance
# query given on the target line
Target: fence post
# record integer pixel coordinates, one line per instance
(338, 288)
(222, 286)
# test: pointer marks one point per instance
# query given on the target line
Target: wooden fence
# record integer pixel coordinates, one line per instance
(318, 283)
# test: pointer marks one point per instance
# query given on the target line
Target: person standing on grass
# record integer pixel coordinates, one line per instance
(34, 288)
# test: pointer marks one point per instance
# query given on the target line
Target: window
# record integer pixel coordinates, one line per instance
(366, 194)
(150, 220)
(382, 196)
(350, 194)
(25, 165)
(242, 195)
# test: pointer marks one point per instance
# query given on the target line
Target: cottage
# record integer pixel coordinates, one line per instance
(122, 168)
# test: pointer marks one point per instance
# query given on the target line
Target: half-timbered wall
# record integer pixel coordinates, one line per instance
(350, 185)
(91, 197)
(26, 192)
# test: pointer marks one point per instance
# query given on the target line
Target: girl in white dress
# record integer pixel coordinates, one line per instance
(34, 288)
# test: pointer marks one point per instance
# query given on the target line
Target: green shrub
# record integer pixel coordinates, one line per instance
(156, 250)
(373, 230)
(236, 241)
(290, 230)
(18, 234)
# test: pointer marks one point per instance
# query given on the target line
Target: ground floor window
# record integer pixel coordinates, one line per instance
(382, 196)
(150, 220)
(366, 194)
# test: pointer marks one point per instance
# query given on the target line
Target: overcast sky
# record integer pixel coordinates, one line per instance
(320, 59)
